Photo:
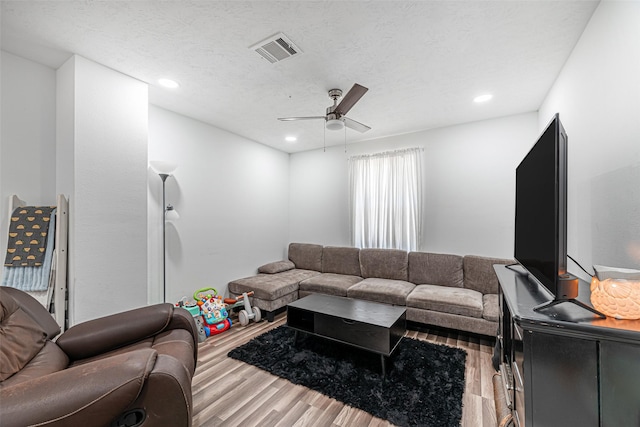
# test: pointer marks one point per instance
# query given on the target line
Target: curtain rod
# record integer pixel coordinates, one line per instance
(385, 153)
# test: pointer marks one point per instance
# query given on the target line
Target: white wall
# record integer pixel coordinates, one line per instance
(232, 193)
(27, 136)
(232, 197)
(103, 131)
(82, 131)
(598, 97)
(241, 202)
(468, 186)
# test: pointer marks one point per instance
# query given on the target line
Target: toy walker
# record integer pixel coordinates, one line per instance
(248, 313)
(213, 310)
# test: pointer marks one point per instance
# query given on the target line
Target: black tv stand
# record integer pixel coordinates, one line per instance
(557, 301)
(574, 369)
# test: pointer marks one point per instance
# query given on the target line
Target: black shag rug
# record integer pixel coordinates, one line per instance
(423, 387)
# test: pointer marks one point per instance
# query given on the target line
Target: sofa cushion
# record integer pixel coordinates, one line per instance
(490, 307)
(275, 304)
(21, 336)
(435, 269)
(49, 359)
(330, 284)
(476, 325)
(384, 264)
(479, 274)
(341, 260)
(139, 345)
(276, 267)
(306, 256)
(446, 299)
(270, 287)
(386, 291)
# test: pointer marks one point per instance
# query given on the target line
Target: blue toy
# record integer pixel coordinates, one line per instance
(194, 310)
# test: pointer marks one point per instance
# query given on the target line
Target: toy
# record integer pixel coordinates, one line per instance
(244, 316)
(213, 310)
(194, 310)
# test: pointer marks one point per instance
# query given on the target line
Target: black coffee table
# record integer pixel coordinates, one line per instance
(368, 325)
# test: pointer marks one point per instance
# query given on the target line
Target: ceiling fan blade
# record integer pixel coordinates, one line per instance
(290, 119)
(352, 124)
(350, 99)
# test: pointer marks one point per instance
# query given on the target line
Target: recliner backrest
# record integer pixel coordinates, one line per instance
(22, 336)
(35, 310)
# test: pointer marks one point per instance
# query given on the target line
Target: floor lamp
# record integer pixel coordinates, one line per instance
(164, 170)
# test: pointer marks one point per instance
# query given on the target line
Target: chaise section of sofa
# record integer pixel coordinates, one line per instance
(277, 283)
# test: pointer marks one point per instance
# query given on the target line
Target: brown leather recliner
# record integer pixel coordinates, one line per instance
(129, 369)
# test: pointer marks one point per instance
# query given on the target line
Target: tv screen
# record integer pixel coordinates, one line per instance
(541, 208)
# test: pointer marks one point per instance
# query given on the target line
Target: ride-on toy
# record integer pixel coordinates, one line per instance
(248, 313)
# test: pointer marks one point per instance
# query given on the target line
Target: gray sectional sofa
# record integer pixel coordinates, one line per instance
(452, 291)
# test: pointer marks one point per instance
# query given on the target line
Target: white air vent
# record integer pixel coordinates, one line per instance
(276, 48)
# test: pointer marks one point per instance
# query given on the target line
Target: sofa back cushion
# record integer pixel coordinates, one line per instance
(435, 269)
(384, 264)
(479, 274)
(341, 260)
(306, 256)
(22, 337)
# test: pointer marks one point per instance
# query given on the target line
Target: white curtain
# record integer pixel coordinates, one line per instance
(385, 202)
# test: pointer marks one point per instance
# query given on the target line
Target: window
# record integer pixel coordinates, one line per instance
(385, 203)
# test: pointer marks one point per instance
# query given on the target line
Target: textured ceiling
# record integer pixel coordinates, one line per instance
(423, 61)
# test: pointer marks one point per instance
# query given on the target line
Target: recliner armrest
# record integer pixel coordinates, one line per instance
(107, 333)
(93, 393)
(182, 319)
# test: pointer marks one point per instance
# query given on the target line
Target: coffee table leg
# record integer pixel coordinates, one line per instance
(295, 337)
(384, 368)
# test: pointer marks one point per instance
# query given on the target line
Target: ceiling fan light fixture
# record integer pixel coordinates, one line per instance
(335, 118)
(335, 124)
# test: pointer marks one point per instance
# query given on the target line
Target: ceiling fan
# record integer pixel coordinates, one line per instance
(335, 118)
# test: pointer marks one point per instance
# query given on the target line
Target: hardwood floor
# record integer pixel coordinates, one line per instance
(229, 393)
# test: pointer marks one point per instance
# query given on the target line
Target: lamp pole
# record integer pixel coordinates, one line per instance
(164, 177)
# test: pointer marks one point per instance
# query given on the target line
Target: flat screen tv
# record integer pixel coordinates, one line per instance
(541, 215)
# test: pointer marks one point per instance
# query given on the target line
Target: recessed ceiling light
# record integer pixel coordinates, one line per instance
(168, 83)
(290, 139)
(482, 98)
